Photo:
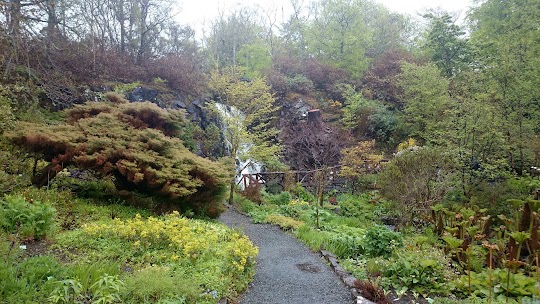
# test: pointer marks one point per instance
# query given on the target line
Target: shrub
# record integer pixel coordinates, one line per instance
(282, 198)
(137, 144)
(422, 270)
(417, 180)
(302, 193)
(356, 206)
(245, 204)
(286, 223)
(27, 220)
(253, 192)
(381, 241)
(289, 210)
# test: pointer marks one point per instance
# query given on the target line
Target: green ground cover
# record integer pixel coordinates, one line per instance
(56, 248)
(413, 263)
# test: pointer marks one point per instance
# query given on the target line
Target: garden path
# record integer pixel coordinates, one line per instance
(286, 271)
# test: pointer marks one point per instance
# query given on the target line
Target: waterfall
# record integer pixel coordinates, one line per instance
(231, 117)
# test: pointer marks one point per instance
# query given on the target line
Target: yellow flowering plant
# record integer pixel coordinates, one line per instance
(192, 247)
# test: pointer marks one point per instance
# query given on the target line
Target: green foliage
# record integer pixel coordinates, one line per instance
(255, 58)
(249, 117)
(370, 117)
(123, 88)
(7, 119)
(104, 289)
(357, 206)
(302, 193)
(27, 220)
(314, 239)
(189, 135)
(66, 291)
(85, 184)
(345, 242)
(25, 280)
(426, 101)
(160, 285)
(416, 180)
(283, 198)
(244, 204)
(290, 210)
(299, 83)
(195, 253)
(519, 286)
(423, 270)
(445, 43)
(381, 241)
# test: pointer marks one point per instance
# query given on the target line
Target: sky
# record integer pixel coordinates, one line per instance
(200, 13)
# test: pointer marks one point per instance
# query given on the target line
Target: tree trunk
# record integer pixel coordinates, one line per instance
(231, 193)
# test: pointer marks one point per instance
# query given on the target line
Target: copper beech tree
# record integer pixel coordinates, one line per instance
(136, 144)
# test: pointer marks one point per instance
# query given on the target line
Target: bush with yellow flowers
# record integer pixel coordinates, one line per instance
(217, 259)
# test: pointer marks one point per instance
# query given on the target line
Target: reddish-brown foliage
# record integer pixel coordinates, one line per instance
(129, 142)
(323, 77)
(313, 144)
(371, 292)
(380, 81)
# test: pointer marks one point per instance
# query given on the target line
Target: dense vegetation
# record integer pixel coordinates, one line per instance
(109, 109)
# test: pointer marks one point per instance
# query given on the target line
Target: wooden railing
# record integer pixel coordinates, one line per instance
(305, 177)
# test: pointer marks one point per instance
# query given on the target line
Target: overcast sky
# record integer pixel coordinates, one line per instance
(200, 12)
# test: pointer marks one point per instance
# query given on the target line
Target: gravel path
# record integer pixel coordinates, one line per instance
(286, 271)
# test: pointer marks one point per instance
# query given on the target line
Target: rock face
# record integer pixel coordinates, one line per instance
(197, 113)
(295, 109)
(141, 93)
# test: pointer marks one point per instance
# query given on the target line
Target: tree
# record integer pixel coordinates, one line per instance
(370, 118)
(506, 36)
(381, 79)
(229, 34)
(358, 160)
(248, 110)
(312, 145)
(339, 33)
(446, 44)
(427, 101)
(136, 143)
(416, 180)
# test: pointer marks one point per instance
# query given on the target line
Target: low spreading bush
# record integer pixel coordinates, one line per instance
(287, 223)
(422, 270)
(381, 241)
(282, 198)
(356, 206)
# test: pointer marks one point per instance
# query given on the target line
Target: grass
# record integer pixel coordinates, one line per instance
(314, 239)
(106, 252)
